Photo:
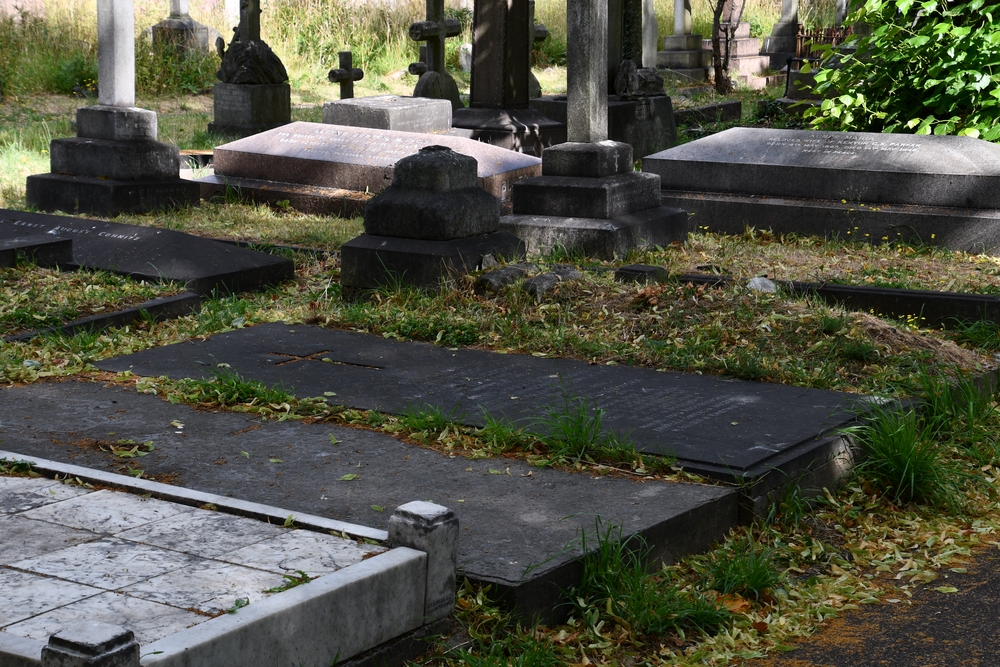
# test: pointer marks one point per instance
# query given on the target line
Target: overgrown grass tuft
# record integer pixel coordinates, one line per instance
(227, 388)
(746, 569)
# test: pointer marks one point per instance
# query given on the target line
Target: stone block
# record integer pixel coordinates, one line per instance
(371, 262)
(604, 239)
(571, 196)
(105, 197)
(523, 130)
(684, 59)
(42, 249)
(432, 529)
(185, 33)
(682, 42)
(604, 158)
(116, 123)
(245, 109)
(390, 112)
(641, 273)
(544, 283)
(419, 214)
(492, 282)
(116, 160)
(91, 644)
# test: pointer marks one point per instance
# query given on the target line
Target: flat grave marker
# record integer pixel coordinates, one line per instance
(716, 426)
(351, 158)
(149, 253)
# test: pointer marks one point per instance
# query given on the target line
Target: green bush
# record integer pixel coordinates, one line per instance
(927, 67)
(76, 70)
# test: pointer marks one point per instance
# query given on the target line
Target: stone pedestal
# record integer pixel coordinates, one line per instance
(244, 109)
(91, 644)
(114, 165)
(646, 124)
(433, 223)
(684, 59)
(589, 200)
(185, 33)
(390, 112)
(523, 130)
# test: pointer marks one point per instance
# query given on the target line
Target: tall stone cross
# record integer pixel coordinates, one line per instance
(115, 53)
(433, 31)
(249, 28)
(587, 70)
(501, 54)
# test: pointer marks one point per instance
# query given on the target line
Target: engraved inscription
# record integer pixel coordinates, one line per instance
(846, 145)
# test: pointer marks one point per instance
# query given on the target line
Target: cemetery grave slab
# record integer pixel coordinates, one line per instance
(359, 159)
(169, 569)
(390, 112)
(940, 190)
(44, 250)
(148, 253)
(314, 199)
(721, 427)
(520, 525)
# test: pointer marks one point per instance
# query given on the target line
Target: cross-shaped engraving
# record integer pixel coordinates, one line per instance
(318, 356)
(346, 75)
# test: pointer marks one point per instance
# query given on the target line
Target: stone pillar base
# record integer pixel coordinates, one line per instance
(245, 109)
(107, 197)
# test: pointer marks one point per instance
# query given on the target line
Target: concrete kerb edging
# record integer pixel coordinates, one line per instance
(194, 498)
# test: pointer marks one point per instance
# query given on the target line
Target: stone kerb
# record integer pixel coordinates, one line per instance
(91, 644)
(432, 529)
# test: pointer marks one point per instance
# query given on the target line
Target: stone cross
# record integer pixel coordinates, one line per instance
(501, 54)
(115, 53)
(346, 75)
(178, 9)
(249, 28)
(587, 70)
(434, 31)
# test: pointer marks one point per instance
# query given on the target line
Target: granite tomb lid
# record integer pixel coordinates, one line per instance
(149, 253)
(715, 425)
(853, 166)
(355, 158)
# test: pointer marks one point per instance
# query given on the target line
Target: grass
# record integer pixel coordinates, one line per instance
(746, 569)
(228, 388)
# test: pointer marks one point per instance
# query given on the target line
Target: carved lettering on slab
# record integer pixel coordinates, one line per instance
(845, 145)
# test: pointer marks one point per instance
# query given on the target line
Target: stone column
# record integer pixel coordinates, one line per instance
(178, 9)
(682, 17)
(432, 529)
(501, 50)
(780, 44)
(115, 53)
(586, 71)
(650, 34)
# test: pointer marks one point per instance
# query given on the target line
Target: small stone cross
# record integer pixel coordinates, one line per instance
(346, 75)
(434, 31)
(116, 53)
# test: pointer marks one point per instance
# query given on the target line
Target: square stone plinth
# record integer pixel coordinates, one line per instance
(390, 112)
(115, 160)
(106, 197)
(596, 237)
(370, 262)
(116, 123)
(570, 196)
(245, 109)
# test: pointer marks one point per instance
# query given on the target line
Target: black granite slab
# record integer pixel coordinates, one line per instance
(154, 254)
(722, 427)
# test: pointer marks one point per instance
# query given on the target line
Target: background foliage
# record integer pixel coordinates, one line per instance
(927, 67)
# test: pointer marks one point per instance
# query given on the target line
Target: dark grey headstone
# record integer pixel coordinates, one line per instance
(723, 427)
(245, 109)
(154, 254)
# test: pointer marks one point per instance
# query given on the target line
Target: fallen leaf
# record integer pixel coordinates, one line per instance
(734, 603)
(378, 508)
(348, 477)
(275, 460)
(760, 627)
(946, 589)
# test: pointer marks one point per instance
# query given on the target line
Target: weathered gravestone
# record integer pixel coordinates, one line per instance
(434, 222)
(684, 56)
(779, 46)
(498, 113)
(588, 199)
(435, 81)
(849, 185)
(148, 253)
(252, 94)
(114, 164)
(182, 31)
(390, 112)
(336, 169)
(639, 114)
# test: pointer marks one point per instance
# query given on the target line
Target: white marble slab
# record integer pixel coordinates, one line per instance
(19, 494)
(313, 553)
(108, 563)
(25, 595)
(203, 532)
(148, 620)
(210, 587)
(107, 512)
(22, 538)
